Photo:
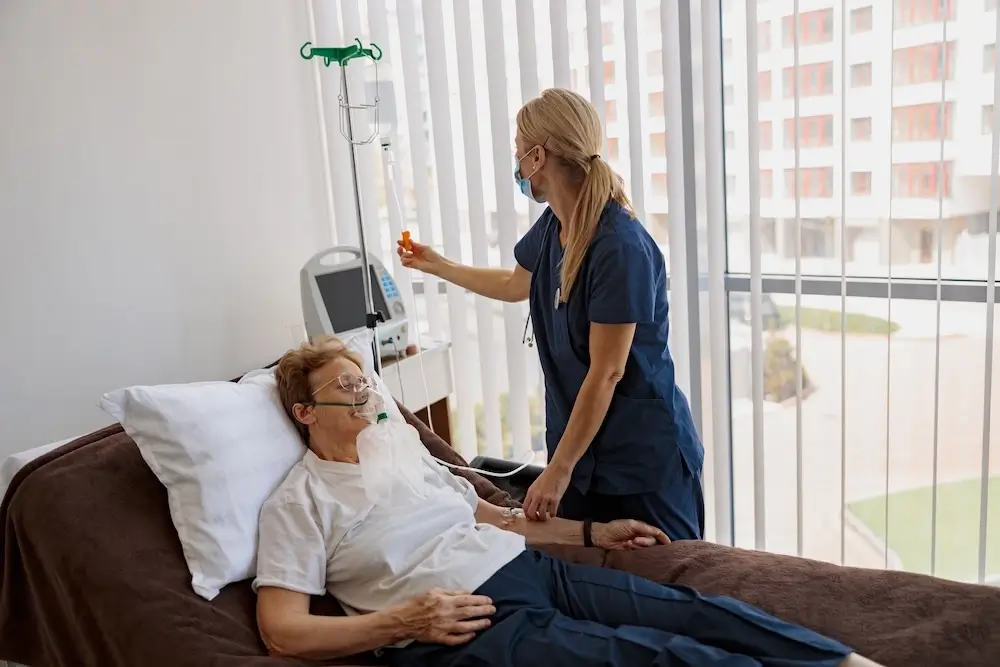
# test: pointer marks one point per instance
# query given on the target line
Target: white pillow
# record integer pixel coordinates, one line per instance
(220, 449)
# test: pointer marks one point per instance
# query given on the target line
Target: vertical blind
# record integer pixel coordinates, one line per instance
(456, 73)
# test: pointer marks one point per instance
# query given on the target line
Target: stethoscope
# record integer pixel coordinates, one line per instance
(526, 338)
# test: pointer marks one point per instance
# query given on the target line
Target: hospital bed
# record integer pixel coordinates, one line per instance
(93, 575)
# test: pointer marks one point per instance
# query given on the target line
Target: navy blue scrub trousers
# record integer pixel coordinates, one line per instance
(554, 614)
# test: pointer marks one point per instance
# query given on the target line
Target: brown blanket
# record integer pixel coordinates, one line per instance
(93, 575)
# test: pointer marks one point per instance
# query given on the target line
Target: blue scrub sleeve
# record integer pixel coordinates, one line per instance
(621, 284)
(526, 250)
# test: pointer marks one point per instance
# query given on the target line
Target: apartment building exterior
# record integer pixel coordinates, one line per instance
(879, 76)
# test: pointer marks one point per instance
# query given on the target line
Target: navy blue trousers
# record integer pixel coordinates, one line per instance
(677, 507)
(555, 614)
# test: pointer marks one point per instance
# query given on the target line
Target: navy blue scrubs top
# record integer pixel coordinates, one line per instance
(622, 280)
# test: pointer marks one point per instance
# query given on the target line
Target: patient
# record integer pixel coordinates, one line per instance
(436, 576)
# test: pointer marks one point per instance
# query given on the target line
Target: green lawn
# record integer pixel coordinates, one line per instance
(829, 320)
(957, 527)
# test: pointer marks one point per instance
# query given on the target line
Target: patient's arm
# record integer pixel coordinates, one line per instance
(443, 617)
(623, 534)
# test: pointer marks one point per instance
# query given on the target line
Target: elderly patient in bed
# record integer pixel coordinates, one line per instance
(430, 574)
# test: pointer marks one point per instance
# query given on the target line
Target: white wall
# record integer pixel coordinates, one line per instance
(160, 186)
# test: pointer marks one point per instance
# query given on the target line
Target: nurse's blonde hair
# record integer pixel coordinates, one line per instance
(567, 126)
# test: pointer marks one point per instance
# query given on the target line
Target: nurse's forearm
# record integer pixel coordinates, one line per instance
(499, 284)
(592, 403)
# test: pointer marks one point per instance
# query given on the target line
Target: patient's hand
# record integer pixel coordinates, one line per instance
(627, 534)
(445, 617)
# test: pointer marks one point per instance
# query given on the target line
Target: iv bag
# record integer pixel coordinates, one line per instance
(392, 467)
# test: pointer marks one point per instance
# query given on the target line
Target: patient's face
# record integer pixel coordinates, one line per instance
(340, 423)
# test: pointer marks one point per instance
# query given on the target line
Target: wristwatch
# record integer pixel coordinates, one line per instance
(588, 537)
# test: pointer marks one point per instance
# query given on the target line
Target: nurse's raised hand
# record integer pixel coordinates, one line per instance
(543, 498)
(420, 257)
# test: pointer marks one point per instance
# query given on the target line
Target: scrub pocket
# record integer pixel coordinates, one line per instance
(636, 448)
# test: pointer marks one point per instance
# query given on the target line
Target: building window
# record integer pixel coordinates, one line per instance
(920, 180)
(610, 111)
(921, 122)
(613, 149)
(814, 182)
(987, 127)
(607, 34)
(730, 183)
(861, 183)
(730, 140)
(861, 129)
(919, 12)
(658, 144)
(990, 5)
(923, 64)
(656, 104)
(765, 135)
(814, 132)
(766, 183)
(764, 86)
(814, 28)
(861, 19)
(861, 75)
(814, 80)
(764, 37)
(654, 63)
(727, 48)
(609, 71)
(989, 57)
(659, 183)
(728, 94)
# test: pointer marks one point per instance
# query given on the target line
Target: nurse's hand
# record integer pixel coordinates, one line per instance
(420, 257)
(546, 493)
(626, 534)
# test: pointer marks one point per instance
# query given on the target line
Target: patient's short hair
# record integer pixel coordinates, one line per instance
(295, 367)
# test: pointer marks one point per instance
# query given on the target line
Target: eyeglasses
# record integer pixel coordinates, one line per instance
(360, 386)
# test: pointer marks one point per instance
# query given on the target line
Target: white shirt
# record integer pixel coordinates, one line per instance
(319, 532)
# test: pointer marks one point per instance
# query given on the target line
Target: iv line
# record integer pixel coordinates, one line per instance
(420, 357)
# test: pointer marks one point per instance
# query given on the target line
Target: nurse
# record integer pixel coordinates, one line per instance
(620, 437)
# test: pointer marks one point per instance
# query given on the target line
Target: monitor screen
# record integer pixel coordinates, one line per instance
(343, 295)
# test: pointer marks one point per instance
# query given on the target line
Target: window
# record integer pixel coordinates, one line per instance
(609, 71)
(814, 28)
(921, 122)
(765, 135)
(989, 58)
(727, 48)
(919, 12)
(610, 111)
(861, 129)
(764, 86)
(990, 5)
(764, 37)
(730, 140)
(658, 144)
(728, 94)
(861, 183)
(656, 104)
(766, 183)
(987, 124)
(612, 149)
(814, 132)
(730, 183)
(654, 63)
(861, 19)
(861, 75)
(814, 80)
(919, 180)
(607, 34)
(659, 183)
(923, 64)
(814, 182)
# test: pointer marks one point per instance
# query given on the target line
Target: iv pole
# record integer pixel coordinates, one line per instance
(341, 56)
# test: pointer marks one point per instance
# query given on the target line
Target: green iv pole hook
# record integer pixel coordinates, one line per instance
(342, 56)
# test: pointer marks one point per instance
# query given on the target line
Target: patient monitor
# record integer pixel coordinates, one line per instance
(333, 298)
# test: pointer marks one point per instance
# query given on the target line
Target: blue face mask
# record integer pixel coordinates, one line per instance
(524, 183)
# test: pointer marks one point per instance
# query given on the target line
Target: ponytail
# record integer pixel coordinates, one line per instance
(600, 185)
